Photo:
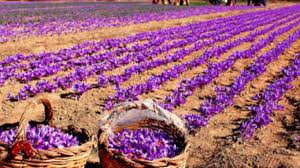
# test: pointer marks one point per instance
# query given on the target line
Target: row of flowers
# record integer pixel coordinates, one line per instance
(86, 54)
(59, 25)
(87, 61)
(154, 82)
(269, 98)
(110, 62)
(225, 95)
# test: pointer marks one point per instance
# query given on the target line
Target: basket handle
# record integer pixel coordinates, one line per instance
(25, 118)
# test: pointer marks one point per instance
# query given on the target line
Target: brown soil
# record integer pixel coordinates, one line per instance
(216, 145)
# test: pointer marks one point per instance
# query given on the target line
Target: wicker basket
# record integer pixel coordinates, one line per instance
(74, 157)
(133, 115)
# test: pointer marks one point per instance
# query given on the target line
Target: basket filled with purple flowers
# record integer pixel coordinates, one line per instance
(40, 144)
(142, 134)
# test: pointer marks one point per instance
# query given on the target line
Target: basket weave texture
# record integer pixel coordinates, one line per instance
(71, 157)
(141, 114)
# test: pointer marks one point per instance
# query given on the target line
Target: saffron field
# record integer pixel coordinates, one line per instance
(231, 73)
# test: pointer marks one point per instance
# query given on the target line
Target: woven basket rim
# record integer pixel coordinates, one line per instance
(103, 140)
(86, 140)
(121, 155)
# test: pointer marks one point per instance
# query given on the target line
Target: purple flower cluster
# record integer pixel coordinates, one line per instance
(187, 86)
(178, 55)
(225, 95)
(41, 137)
(81, 87)
(87, 63)
(268, 99)
(94, 58)
(38, 69)
(84, 17)
(177, 98)
(144, 143)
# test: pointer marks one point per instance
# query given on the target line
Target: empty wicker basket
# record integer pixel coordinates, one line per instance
(74, 157)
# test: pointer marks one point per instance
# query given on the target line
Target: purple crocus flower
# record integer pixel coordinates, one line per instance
(144, 143)
(42, 137)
